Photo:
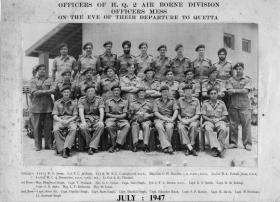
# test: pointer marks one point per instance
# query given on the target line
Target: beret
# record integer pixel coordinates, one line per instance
(168, 70)
(211, 70)
(141, 89)
(115, 86)
(86, 44)
(40, 65)
(65, 71)
(189, 86)
(65, 87)
(141, 44)
(107, 43)
(189, 70)
(239, 64)
(148, 70)
(88, 69)
(62, 45)
(126, 43)
(88, 87)
(199, 46)
(222, 50)
(178, 46)
(211, 89)
(110, 67)
(164, 87)
(161, 46)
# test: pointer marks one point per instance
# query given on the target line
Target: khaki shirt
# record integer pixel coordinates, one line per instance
(137, 108)
(240, 100)
(58, 86)
(165, 108)
(106, 84)
(65, 108)
(41, 103)
(201, 67)
(95, 81)
(225, 70)
(179, 66)
(189, 109)
(160, 65)
(91, 107)
(61, 64)
(173, 87)
(127, 81)
(214, 111)
(219, 84)
(116, 106)
(106, 60)
(196, 88)
(123, 62)
(143, 62)
(85, 62)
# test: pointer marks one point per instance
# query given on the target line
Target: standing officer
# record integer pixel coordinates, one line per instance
(180, 63)
(62, 62)
(151, 85)
(107, 59)
(166, 111)
(91, 111)
(110, 80)
(144, 60)
(239, 87)
(116, 110)
(64, 116)
(214, 113)
(41, 108)
(161, 63)
(189, 80)
(141, 111)
(189, 112)
(201, 64)
(65, 81)
(171, 83)
(126, 59)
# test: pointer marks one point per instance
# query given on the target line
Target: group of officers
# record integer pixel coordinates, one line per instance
(128, 93)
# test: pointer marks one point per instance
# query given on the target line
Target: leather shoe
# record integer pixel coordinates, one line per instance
(111, 149)
(64, 153)
(248, 147)
(165, 150)
(193, 152)
(187, 152)
(134, 149)
(90, 151)
(146, 149)
(214, 152)
(232, 146)
(170, 150)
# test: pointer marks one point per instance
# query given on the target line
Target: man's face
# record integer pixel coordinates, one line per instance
(165, 93)
(117, 92)
(188, 92)
(67, 76)
(201, 52)
(150, 75)
(110, 73)
(63, 50)
(130, 69)
(126, 49)
(162, 51)
(141, 94)
(88, 49)
(42, 71)
(239, 71)
(189, 75)
(108, 48)
(222, 56)
(66, 94)
(213, 75)
(180, 51)
(213, 95)
(143, 49)
(169, 76)
(90, 93)
(89, 74)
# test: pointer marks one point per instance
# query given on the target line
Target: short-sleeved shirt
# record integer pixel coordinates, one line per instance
(179, 66)
(127, 81)
(116, 106)
(91, 107)
(219, 84)
(61, 64)
(224, 68)
(65, 108)
(165, 108)
(189, 109)
(123, 63)
(106, 84)
(137, 108)
(41, 103)
(95, 81)
(214, 111)
(58, 86)
(201, 67)
(173, 87)
(240, 100)
(106, 60)
(195, 87)
(87, 61)
(160, 65)
(143, 62)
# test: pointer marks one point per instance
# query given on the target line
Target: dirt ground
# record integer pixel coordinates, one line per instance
(233, 157)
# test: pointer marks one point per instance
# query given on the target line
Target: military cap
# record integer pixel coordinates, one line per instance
(178, 46)
(65, 71)
(86, 44)
(211, 70)
(169, 70)
(116, 86)
(211, 89)
(88, 87)
(148, 70)
(88, 69)
(161, 46)
(164, 87)
(141, 89)
(109, 67)
(65, 87)
(62, 45)
(142, 44)
(222, 50)
(189, 70)
(239, 64)
(189, 86)
(126, 43)
(199, 46)
(107, 43)
(38, 66)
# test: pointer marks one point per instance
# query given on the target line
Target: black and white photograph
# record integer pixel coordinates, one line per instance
(140, 95)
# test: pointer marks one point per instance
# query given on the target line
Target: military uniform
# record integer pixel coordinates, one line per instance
(117, 106)
(106, 60)
(105, 86)
(179, 66)
(173, 88)
(160, 65)
(188, 109)
(165, 128)
(201, 66)
(61, 64)
(143, 62)
(41, 109)
(195, 87)
(85, 62)
(127, 81)
(91, 113)
(152, 88)
(225, 70)
(208, 84)
(64, 110)
(123, 62)
(215, 111)
(240, 110)
(137, 111)
(80, 87)
(58, 87)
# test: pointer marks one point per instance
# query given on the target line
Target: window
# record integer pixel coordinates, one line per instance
(228, 41)
(246, 45)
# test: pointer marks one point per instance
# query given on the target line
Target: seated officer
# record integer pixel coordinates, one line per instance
(166, 111)
(151, 85)
(110, 79)
(66, 80)
(189, 112)
(91, 111)
(64, 116)
(141, 111)
(214, 113)
(213, 82)
(189, 80)
(116, 110)
(171, 83)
